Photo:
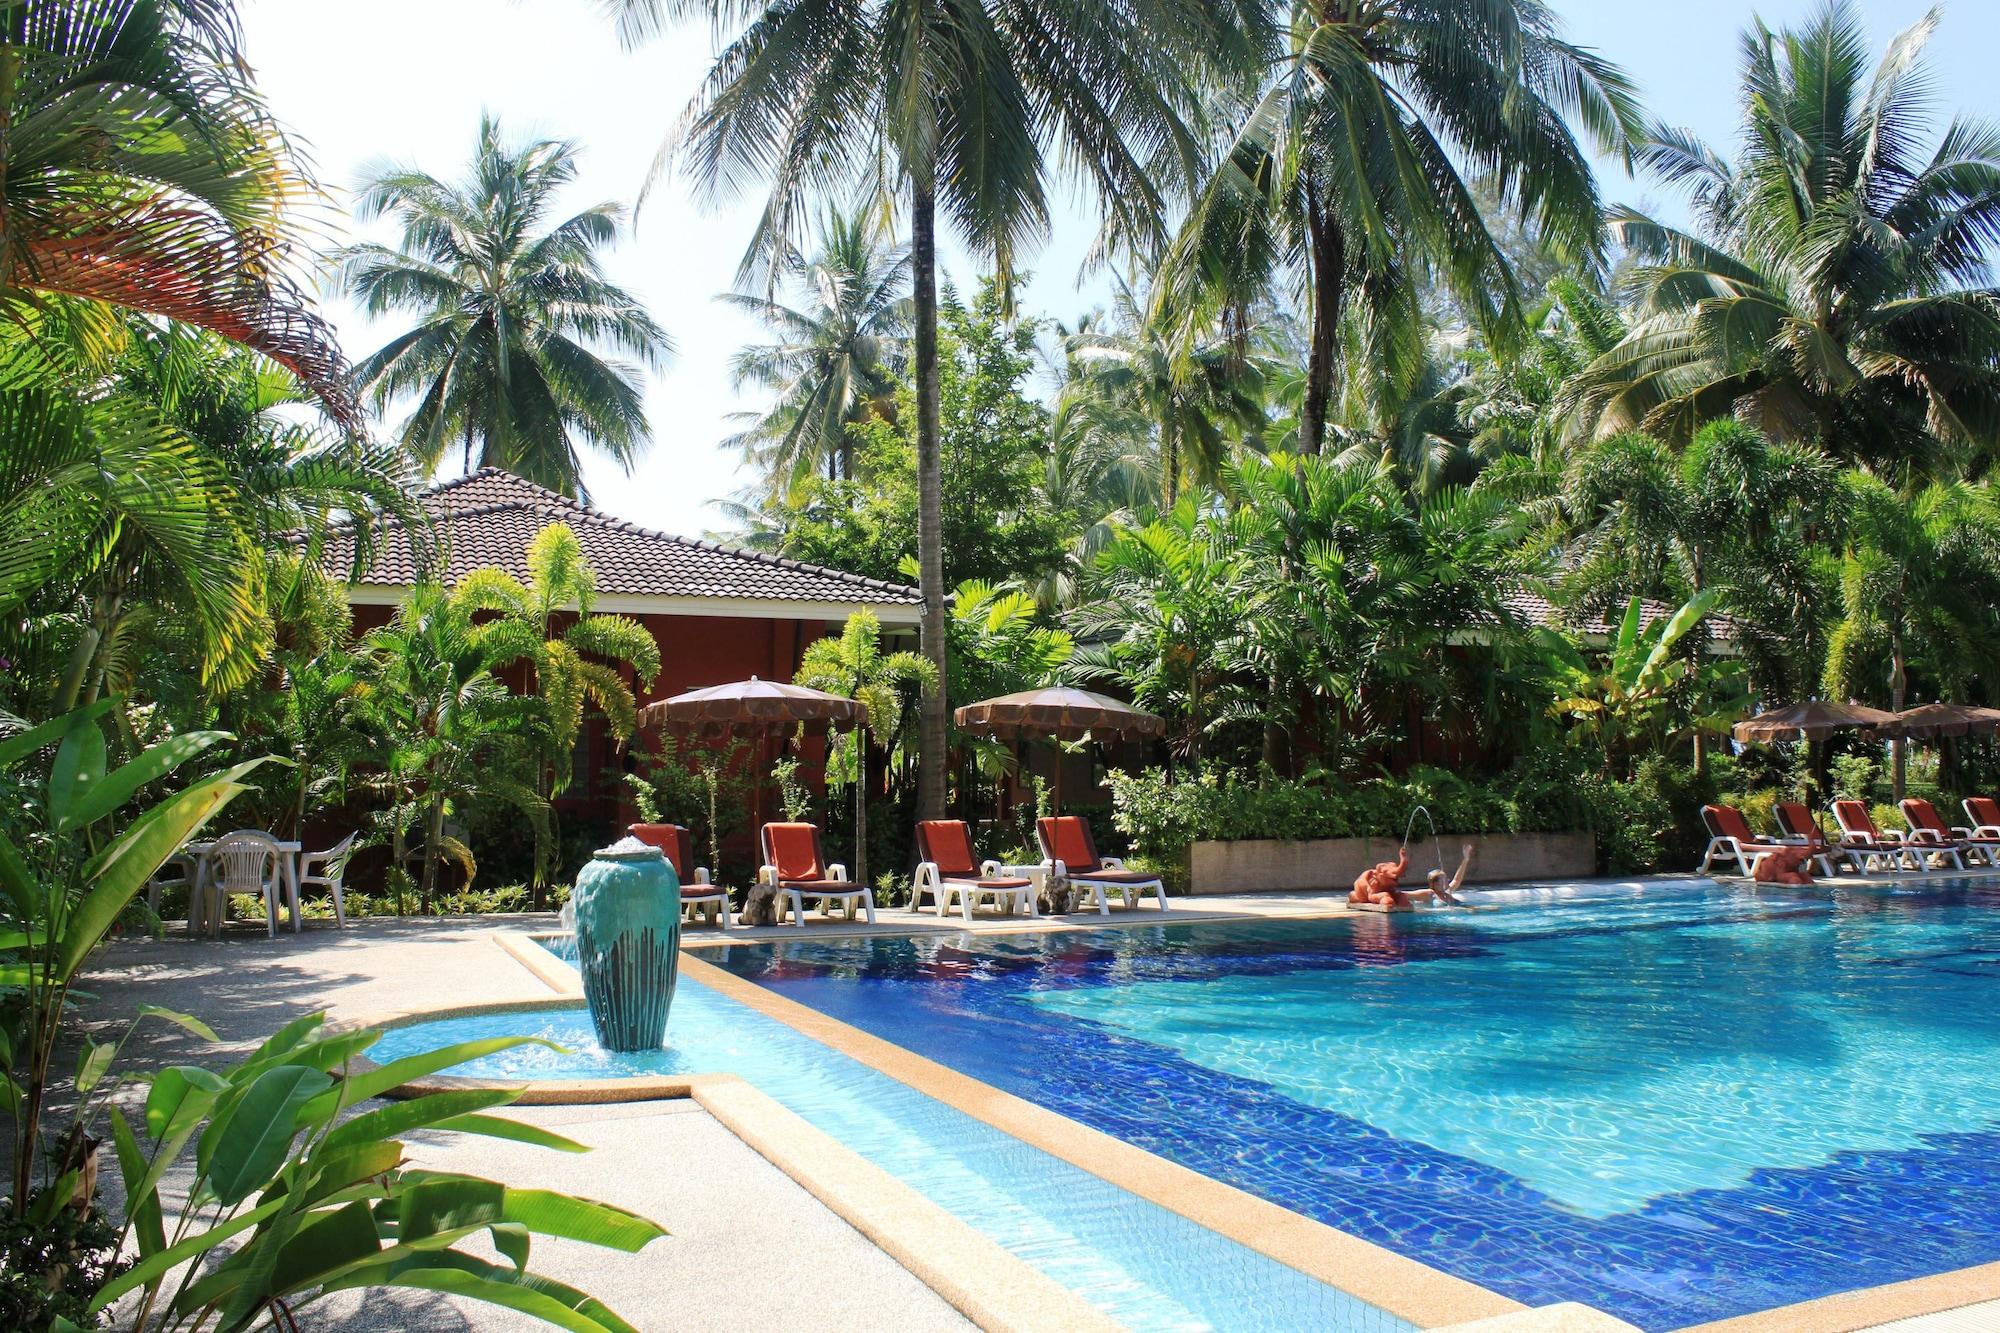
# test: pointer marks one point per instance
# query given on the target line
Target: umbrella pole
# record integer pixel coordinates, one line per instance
(1055, 801)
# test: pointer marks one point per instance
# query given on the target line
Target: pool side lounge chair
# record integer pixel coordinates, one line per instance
(1869, 844)
(1799, 825)
(1927, 826)
(1069, 852)
(1983, 814)
(948, 871)
(1730, 837)
(795, 862)
(700, 897)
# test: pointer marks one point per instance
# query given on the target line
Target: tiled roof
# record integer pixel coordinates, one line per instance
(1535, 609)
(488, 517)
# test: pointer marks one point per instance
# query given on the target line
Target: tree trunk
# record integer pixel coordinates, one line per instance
(1329, 265)
(1899, 684)
(433, 845)
(861, 806)
(930, 490)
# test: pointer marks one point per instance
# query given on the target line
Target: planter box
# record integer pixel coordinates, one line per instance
(1326, 864)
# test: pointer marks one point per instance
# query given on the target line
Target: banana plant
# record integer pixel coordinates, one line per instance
(1644, 682)
(72, 857)
(293, 1197)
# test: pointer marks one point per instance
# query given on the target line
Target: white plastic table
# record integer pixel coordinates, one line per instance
(288, 866)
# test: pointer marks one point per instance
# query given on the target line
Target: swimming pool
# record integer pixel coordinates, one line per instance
(1678, 1104)
(1148, 1268)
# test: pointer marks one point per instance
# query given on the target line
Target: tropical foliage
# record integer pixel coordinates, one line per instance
(507, 362)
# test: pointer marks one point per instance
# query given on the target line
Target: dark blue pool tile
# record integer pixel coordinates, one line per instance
(1784, 1235)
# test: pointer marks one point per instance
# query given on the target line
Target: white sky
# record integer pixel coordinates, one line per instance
(407, 79)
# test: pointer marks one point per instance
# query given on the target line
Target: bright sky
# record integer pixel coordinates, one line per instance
(407, 79)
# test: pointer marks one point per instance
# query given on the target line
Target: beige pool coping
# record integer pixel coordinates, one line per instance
(1393, 1282)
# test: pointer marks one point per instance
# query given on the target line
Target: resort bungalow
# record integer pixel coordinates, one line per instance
(719, 613)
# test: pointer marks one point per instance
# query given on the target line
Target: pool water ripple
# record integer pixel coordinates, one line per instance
(1678, 1104)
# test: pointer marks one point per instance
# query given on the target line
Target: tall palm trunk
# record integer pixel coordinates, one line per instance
(930, 489)
(1899, 686)
(433, 847)
(1329, 271)
(861, 806)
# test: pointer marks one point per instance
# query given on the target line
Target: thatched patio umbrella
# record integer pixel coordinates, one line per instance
(1060, 713)
(755, 710)
(1813, 721)
(1932, 720)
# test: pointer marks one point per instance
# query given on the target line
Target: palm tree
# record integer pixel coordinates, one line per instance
(1167, 617)
(572, 662)
(854, 666)
(837, 361)
(1920, 576)
(1734, 515)
(1347, 177)
(142, 170)
(142, 486)
(515, 318)
(1838, 287)
(952, 104)
(1192, 385)
(452, 730)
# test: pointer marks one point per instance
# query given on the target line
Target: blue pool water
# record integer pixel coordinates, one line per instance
(1678, 1104)
(1146, 1267)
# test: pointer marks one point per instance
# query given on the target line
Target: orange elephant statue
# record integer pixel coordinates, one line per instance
(1787, 865)
(1377, 885)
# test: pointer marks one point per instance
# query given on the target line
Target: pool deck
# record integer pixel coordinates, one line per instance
(750, 1198)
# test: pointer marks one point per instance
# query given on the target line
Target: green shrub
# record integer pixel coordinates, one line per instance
(1855, 777)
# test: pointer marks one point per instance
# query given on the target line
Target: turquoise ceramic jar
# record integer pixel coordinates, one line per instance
(627, 905)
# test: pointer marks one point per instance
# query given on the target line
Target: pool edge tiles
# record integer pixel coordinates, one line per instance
(1122, 1278)
(1403, 1287)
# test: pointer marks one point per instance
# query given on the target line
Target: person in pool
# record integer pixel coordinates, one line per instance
(1380, 885)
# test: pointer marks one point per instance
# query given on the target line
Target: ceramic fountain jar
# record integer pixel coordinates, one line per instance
(627, 903)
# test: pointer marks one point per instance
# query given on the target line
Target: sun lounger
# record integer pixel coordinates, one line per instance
(1983, 814)
(1871, 846)
(1928, 827)
(1796, 825)
(948, 871)
(1069, 852)
(796, 864)
(698, 894)
(1730, 837)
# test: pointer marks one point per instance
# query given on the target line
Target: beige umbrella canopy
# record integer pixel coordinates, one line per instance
(1928, 720)
(753, 708)
(1059, 713)
(1815, 720)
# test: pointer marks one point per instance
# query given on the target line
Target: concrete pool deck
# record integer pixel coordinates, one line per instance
(752, 1245)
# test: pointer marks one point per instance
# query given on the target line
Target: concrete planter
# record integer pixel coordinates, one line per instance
(1326, 864)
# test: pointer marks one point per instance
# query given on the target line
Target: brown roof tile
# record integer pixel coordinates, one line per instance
(488, 517)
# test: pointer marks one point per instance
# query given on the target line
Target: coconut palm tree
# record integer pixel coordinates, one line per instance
(1192, 385)
(952, 106)
(839, 351)
(1837, 287)
(1348, 177)
(143, 171)
(1920, 576)
(513, 357)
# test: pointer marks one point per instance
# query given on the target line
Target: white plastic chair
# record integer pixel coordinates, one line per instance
(247, 861)
(187, 864)
(326, 870)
